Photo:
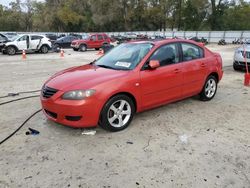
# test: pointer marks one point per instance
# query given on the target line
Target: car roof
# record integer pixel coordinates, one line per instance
(31, 35)
(166, 41)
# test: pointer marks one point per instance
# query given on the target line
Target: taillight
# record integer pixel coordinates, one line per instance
(219, 59)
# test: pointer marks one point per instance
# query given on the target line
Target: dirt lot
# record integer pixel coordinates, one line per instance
(184, 144)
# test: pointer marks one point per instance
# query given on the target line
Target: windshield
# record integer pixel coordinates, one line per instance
(125, 56)
(14, 38)
(85, 36)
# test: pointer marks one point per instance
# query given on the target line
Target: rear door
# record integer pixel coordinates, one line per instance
(163, 84)
(194, 68)
(100, 40)
(35, 42)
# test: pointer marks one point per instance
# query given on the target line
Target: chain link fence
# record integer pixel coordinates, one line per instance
(211, 36)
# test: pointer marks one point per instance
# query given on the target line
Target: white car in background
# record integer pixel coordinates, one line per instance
(29, 43)
(239, 58)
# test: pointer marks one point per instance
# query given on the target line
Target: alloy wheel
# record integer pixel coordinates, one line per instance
(119, 113)
(210, 88)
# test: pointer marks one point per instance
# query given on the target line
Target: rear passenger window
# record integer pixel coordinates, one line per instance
(191, 52)
(100, 37)
(166, 55)
(36, 37)
(105, 37)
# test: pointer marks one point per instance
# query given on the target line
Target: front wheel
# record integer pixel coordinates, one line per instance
(83, 47)
(209, 89)
(236, 68)
(117, 113)
(11, 50)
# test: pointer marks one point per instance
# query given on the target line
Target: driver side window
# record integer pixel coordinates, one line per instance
(23, 38)
(93, 37)
(166, 55)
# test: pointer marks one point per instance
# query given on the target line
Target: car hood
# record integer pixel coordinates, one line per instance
(83, 77)
(80, 40)
(247, 48)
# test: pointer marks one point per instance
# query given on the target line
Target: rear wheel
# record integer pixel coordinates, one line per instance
(209, 90)
(11, 50)
(117, 113)
(44, 49)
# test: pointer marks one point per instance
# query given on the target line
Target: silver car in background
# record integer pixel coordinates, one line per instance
(239, 57)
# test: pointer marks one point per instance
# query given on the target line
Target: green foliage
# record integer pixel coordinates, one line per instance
(124, 15)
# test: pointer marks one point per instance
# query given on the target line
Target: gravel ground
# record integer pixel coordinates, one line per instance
(185, 144)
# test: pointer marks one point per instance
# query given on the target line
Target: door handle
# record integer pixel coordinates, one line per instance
(177, 71)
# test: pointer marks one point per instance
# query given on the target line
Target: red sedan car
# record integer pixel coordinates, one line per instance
(131, 78)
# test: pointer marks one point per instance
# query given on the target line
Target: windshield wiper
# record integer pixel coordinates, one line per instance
(92, 62)
(106, 66)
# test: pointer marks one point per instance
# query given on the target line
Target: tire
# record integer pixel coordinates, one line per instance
(209, 89)
(44, 49)
(117, 113)
(83, 47)
(56, 47)
(75, 49)
(236, 68)
(97, 48)
(11, 50)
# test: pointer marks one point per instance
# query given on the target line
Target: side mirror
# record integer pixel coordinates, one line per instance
(154, 64)
(91, 39)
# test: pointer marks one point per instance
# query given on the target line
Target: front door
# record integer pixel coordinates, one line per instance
(23, 42)
(163, 84)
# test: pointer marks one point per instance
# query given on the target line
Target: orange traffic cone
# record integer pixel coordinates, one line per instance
(247, 79)
(62, 53)
(24, 55)
(101, 52)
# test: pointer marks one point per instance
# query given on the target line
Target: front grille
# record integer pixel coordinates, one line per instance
(48, 92)
(243, 63)
(73, 118)
(51, 114)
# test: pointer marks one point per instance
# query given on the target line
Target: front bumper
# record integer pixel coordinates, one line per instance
(4, 49)
(76, 46)
(241, 65)
(78, 114)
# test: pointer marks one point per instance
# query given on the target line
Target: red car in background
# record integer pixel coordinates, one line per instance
(133, 77)
(91, 41)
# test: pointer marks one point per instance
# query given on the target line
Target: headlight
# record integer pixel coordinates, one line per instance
(78, 94)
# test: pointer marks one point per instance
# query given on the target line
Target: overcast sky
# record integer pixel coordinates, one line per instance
(7, 2)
